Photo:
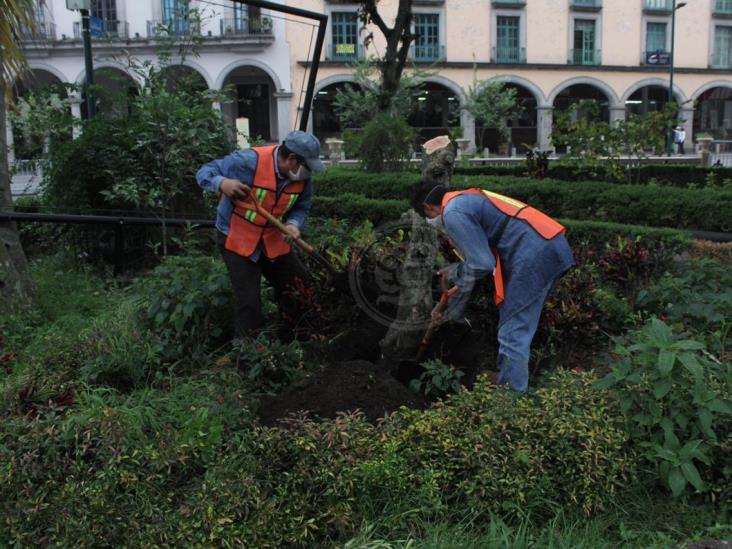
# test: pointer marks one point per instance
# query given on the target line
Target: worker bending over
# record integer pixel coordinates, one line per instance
(524, 249)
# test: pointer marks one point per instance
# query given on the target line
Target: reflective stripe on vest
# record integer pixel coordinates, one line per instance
(544, 225)
(246, 226)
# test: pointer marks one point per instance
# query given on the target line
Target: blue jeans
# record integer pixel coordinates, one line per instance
(514, 339)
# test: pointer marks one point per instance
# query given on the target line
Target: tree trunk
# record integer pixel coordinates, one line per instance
(15, 282)
(415, 292)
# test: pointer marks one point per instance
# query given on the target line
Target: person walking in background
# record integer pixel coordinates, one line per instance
(679, 138)
(279, 178)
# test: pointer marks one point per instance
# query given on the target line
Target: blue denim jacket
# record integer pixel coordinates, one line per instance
(528, 261)
(241, 165)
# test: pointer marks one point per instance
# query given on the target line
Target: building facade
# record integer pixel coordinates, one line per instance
(553, 52)
(242, 48)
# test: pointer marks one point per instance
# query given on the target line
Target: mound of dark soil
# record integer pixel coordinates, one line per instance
(340, 387)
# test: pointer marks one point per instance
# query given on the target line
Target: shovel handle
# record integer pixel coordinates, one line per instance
(441, 306)
(279, 225)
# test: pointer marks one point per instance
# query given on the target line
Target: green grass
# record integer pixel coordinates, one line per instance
(642, 520)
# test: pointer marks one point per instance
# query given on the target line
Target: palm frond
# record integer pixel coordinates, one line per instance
(16, 18)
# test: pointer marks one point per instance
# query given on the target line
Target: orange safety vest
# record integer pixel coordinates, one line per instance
(539, 221)
(246, 226)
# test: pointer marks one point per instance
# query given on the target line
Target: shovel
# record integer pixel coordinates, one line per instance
(439, 309)
(304, 246)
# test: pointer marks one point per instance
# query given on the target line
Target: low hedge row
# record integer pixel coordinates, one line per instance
(653, 206)
(676, 175)
(595, 234)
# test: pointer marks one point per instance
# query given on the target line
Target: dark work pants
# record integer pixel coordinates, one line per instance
(246, 276)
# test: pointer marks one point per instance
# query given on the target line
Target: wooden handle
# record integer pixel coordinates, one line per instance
(279, 225)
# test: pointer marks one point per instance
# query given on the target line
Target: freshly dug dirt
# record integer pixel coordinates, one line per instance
(340, 387)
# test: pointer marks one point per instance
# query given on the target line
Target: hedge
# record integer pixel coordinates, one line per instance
(700, 209)
(675, 175)
(595, 234)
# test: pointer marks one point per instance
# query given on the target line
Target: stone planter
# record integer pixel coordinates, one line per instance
(335, 150)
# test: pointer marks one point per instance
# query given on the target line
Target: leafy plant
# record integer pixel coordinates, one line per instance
(383, 144)
(184, 303)
(268, 362)
(675, 396)
(492, 104)
(438, 379)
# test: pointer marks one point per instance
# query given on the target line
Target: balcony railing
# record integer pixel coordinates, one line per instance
(44, 32)
(584, 57)
(658, 5)
(723, 7)
(721, 60)
(110, 29)
(172, 27)
(344, 53)
(509, 3)
(429, 53)
(502, 54)
(242, 26)
(586, 4)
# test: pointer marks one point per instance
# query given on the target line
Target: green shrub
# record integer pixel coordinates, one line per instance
(701, 209)
(383, 144)
(184, 302)
(438, 379)
(493, 451)
(675, 175)
(696, 293)
(676, 398)
(268, 362)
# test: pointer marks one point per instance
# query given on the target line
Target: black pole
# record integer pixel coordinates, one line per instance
(88, 65)
(320, 39)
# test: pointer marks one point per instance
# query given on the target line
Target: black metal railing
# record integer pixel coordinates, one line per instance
(43, 32)
(111, 28)
(246, 26)
(176, 26)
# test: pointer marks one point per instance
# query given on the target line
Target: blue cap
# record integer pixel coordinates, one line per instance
(308, 146)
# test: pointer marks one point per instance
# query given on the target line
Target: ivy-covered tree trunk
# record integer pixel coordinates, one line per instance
(15, 281)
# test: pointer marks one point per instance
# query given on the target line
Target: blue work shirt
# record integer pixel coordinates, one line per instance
(529, 262)
(241, 165)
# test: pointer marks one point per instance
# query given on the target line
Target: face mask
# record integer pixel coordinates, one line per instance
(300, 175)
(435, 222)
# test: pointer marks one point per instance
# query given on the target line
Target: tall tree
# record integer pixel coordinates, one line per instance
(398, 39)
(15, 281)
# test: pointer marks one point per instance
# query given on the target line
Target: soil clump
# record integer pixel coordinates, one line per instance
(342, 387)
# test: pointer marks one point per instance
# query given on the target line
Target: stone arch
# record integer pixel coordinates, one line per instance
(200, 70)
(678, 93)
(254, 106)
(179, 71)
(231, 67)
(449, 84)
(46, 67)
(541, 100)
(81, 77)
(322, 121)
(599, 84)
(709, 85)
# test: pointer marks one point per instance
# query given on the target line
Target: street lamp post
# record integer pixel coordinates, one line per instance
(674, 7)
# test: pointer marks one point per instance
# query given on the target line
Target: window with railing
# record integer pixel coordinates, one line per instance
(586, 4)
(246, 20)
(658, 5)
(43, 29)
(345, 36)
(427, 42)
(723, 7)
(722, 55)
(508, 39)
(175, 16)
(585, 50)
